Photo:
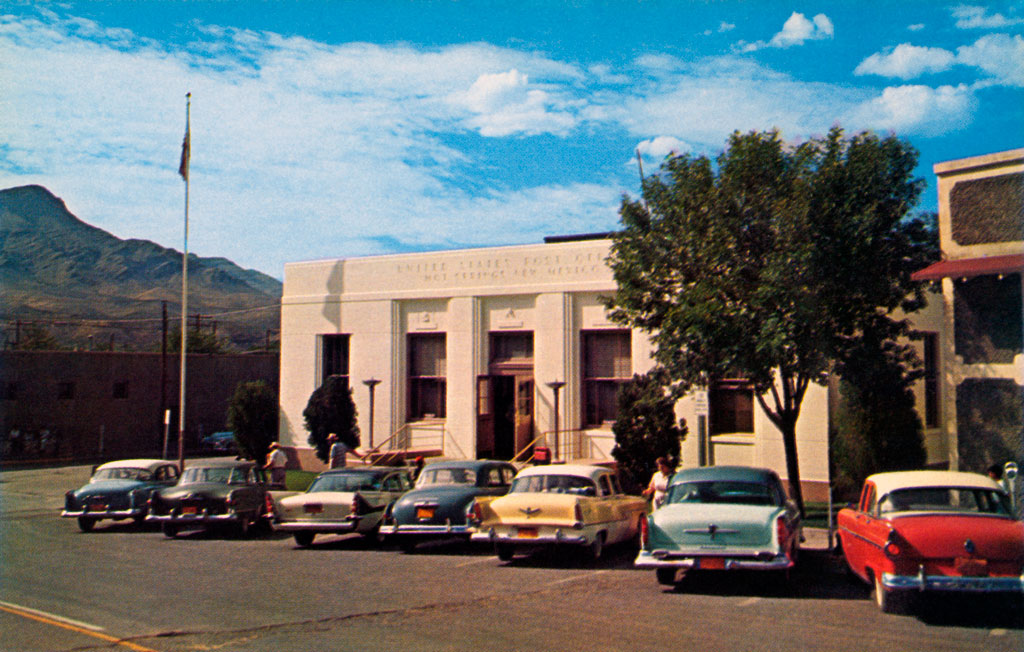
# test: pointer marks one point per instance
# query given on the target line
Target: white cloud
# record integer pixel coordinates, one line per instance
(906, 61)
(797, 29)
(916, 109)
(661, 147)
(974, 17)
(1000, 55)
(916, 27)
(503, 104)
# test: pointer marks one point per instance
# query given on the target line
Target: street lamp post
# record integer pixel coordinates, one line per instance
(372, 384)
(555, 387)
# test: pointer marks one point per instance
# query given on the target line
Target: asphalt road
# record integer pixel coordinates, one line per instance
(122, 587)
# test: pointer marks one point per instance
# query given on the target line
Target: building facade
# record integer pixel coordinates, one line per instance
(492, 352)
(981, 229)
(97, 405)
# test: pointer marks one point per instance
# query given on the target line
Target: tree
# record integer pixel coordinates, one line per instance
(37, 338)
(646, 428)
(198, 342)
(876, 427)
(252, 416)
(769, 263)
(331, 410)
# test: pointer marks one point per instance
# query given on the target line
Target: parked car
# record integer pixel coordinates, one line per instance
(570, 504)
(220, 442)
(721, 518)
(443, 496)
(118, 490)
(214, 493)
(916, 531)
(339, 501)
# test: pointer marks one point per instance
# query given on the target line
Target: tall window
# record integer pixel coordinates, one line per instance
(333, 356)
(427, 368)
(931, 380)
(732, 407)
(607, 364)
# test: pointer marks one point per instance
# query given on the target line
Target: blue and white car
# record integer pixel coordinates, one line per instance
(118, 490)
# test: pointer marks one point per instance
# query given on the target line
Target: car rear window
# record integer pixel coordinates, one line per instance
(441, 477)
(347, 482)
(735, 493)
(945, 499)
(559, 484)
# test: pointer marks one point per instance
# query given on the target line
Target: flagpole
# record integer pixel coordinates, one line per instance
(186, 153)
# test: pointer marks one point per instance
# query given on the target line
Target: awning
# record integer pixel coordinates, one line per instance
(966, 267)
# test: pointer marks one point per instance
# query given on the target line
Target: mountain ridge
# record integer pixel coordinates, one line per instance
(56, 267)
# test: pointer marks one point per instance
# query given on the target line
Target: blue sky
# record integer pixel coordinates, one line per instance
(336, 129)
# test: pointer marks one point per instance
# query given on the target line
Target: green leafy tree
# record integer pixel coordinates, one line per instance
(36, 338)
(876, 427)
(331, 410)
(198, 342)
(646, 428)
(769, 262)
(252, 416)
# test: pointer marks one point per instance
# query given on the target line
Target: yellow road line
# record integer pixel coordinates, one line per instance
(75, 628)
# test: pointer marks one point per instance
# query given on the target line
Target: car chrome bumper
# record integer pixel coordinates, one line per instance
(197, 520)
(336, 527)
(424, 529)
(559, 537)
(922, 582)
(688, 561)
(119, 513)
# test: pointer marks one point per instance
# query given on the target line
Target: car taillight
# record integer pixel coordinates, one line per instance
(645, 532)
(579, 513)
(781, 531)
(475, 513)
(359, 505)
(892, 547)
(269, 504)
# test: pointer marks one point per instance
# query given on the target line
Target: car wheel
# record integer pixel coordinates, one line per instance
(170, 530)
(597, 547)
(139, 520)
(666, 576)
(304, 539)
(244, 527)
(504, 552)
(408, 546)
(86, 524)
(889, 602)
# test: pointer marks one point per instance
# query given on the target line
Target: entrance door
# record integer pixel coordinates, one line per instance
(504, 417)
(524, 412)
(484, 418)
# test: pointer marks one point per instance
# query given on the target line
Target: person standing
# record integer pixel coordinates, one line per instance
(276, 462)
(339, 452)
(659, 482)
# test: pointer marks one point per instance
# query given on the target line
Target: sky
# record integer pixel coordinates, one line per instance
(333, 129)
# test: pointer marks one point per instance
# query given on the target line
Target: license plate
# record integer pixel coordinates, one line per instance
(712, 563)
(97, 507)
(969, 567)
(527, 533)
(190, 510)
(314, 509)
(424, 512)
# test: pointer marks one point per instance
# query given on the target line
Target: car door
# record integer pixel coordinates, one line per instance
(854, 525)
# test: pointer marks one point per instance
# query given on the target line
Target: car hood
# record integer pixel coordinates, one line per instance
(110, 487)
(204, 489)
(935, 536)
(689, 524)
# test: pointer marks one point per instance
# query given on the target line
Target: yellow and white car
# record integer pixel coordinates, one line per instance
(568, 504)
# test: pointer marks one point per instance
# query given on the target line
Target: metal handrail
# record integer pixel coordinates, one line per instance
(571, 445)
(379, 449)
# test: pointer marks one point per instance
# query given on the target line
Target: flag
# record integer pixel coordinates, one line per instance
(186, 146)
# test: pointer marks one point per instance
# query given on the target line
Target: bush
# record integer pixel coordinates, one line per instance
(331, 410)
(645, 429)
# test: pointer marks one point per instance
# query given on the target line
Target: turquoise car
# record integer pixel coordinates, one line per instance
(721, 518)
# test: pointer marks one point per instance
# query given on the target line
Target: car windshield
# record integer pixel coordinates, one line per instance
(124, 473)
(439, 477)
(945, 499)
(218, 474)
(733, 493)
(558, 484)
(346, 482)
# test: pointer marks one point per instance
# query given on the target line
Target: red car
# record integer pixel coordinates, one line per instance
(916, 531)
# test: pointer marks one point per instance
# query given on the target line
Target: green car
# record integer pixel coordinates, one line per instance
(229, 493)
(721, 518)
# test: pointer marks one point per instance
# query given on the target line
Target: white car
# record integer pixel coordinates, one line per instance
(339, 501)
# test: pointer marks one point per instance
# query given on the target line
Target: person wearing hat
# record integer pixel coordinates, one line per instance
(276, 461)
(339, 451)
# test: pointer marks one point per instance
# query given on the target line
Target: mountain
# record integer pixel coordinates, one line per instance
(56, 268)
